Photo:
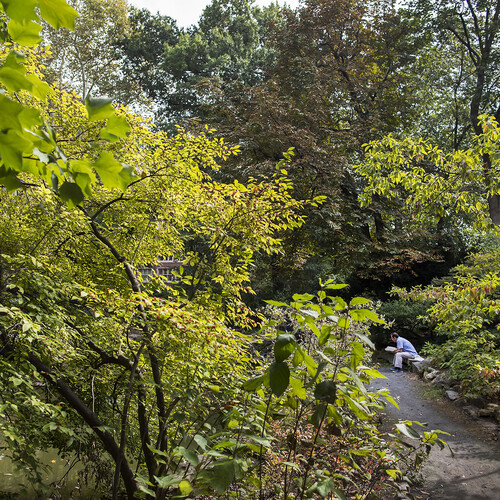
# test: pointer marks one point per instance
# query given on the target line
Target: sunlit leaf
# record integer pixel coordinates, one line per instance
(24, 33)
(99, 108)
(58, 13)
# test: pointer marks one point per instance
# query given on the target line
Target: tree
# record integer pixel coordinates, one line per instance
(86, 59)
(227, 45)
(114, 328)
(29, 143)
(142, 50)
(95, 359)
(342, 76)
(475, 26)
(436, 186)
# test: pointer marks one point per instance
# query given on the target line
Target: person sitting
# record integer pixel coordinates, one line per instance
(404, 349)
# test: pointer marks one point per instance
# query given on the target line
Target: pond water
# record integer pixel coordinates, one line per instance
(15, 485)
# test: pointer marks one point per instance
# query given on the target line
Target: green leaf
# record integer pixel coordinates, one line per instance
(343, 323)
(12, 147)
(279, 377)
(319, 414)
(222, 475)
(39, 88)
(365, 339)
(71, 194)
(116, 129)
(372, 373)
(311, 365)
(356, 301)
(25, 33)
(326, 391)
(337, 418)
(30, 118)
(185, 487)
(339, 494)
(325, 487)
(292, 402)
(9, 114)
(13, 73)
(189, 455)
(21, 10)
(200, 441)
(325, 333)
(298, 357)
(358, 382)
(284, 346)
(254, 383)
(358, 352)
(359, 410)
(166, 481)
(362, 314)
(228, 443)
(276, 303)
(407, 431)
(58, 13)
(99, 108)
(109, 169)
(83, 175)
(393, 473)
(16, 381)
(260, 440)
(9, 179)
(145, 489)
(14, 80)
(302, 297)
(298, 388)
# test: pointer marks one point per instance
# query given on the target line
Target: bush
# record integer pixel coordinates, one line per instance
(474, 362)
(402, 316)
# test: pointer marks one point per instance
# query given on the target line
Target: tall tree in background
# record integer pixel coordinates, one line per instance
(142, 49)
(466, 51)
(475, 25)
(226, 45)
(86, 60)
(340, 80)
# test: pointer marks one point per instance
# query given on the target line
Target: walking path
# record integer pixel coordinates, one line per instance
(473, 473)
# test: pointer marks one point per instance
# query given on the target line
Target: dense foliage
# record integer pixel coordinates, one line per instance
(339, 160)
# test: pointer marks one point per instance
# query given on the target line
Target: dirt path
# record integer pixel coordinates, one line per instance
(473, 473)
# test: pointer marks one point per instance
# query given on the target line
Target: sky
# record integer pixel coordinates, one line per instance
(187, 12)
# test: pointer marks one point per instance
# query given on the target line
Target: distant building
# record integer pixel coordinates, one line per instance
(163, 267)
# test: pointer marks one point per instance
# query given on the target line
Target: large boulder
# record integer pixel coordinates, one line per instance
(416, 367)
(442, 380)
(429, 376)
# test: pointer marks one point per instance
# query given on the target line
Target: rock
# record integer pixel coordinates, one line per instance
(497, 416)
(442, 380)
(485, 412)
(427, 364)
(491, 410)
(417, 367)
(474, 400)
(431, 375)
(452, 395)
(472, 411)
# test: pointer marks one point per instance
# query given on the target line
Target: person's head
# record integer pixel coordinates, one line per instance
(394, 336)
